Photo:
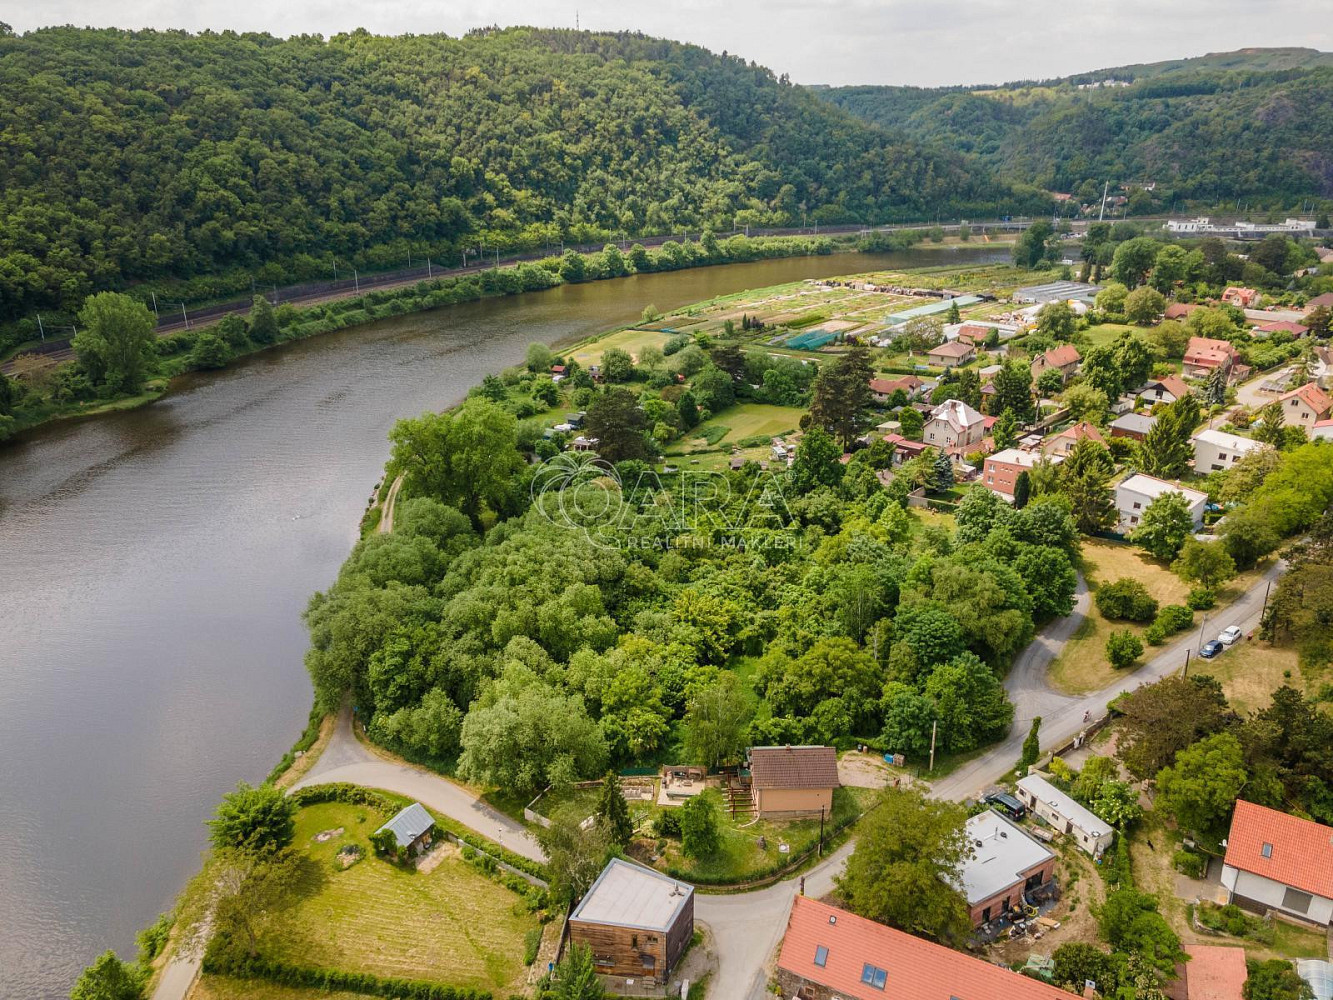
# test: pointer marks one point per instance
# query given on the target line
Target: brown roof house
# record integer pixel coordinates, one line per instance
(636, 921)
(1306, 406)
(789, 782)
(1060, 445)
(1064, 359)
(952, 354)
(1164, 390)
(1204, 354)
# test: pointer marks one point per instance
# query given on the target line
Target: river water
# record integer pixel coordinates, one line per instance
(154, 565)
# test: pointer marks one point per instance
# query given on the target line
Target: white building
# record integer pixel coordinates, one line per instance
(1064, 814)
(1002, 866)
(1275, 860)
(1133, 496)
(1215, 450)
(954, 427)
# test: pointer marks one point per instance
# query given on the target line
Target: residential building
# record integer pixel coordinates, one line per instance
(1064, 359)
(954, 427)
(1060, 445)
(1001, 471)
(1164, 390)
(1003, 865)
(636, 921)
(1325, 301)
(952, 354)
(1297, 330)
(882, 389)
(829, 953)
(1241, 298)
(1322, 430)
(904, 448)
(1180, 310)
(1216, 450)
(1133, 496)
(1203, 354)
(412, 828)
(1134, 426)
(1043, 799)
(787, 782)
(1305, 406)
(1277, 861)
(1213, 972)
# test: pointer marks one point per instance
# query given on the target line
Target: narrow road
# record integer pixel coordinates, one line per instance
(346, 759)
(390, 499)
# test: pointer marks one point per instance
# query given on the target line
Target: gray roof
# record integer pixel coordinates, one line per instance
(1056, 291)
(630, 895)
(1140, 422)
(409, 824)
(1041, 789)
(1001, 855)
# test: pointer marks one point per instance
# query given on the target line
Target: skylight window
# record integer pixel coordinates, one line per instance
(873, 975)
(1267, 850)
(821, 956)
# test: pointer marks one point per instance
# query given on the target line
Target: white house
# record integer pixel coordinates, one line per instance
(1278, 861)
(1214, 450)
(1064, 814)
(1133, 496)
(954, 427)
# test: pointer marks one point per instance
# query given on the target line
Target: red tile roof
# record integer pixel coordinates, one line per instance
(1065, 354)
(1173, 384)
(794, 767)
(1080, 431)
(1320, 300)
(907, 383)
(916, 969)
(1316, 398)
(953, 349)
(1215, 972)
(1207, 352)
(1179, 310)
(1302, 850)
(1283, 325)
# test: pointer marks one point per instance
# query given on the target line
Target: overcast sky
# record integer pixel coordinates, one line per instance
(924, 42)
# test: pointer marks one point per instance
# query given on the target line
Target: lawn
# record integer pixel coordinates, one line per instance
(452, 925)
(1251, 670)
(226, 988)
(733, 425)
(1082, 665)
(740, 853)
(633, 341)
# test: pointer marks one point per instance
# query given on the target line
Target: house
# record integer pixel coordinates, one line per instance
(1064, 359)
(1213, 972)
(1203, 354)
(1180, 310)
(904, 448)
(1043, 799)
(1060, 445)
(1241, 298)
(1003, 866)
(1306, 406)
(1164, 390)
(793, 781)
(952, 354)
(1280, 862)
(1324, 301)
(411, 827)
(954, 427)
(1133, 496)
(827, 953)
(636, 921)
(882, 389)
(1297, 330)
(1216, 450)
(1323, 430)
(969, 333)
(1001, 471)
(1134, 426)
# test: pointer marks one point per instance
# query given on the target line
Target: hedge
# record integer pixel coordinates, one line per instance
(304, 742)
(368, 983)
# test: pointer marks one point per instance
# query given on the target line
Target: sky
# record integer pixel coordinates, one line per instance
(918, 42)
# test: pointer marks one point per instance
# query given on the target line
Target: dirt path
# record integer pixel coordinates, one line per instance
(391, 498)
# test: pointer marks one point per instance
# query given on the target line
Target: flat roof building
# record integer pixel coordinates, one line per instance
(1003, 866)
(636, 921)
(1090, 832)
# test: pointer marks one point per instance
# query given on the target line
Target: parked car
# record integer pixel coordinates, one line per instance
(1005, 803)
(1230, 634)
(1210, 649)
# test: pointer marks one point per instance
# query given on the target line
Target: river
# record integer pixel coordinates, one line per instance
(155, 566)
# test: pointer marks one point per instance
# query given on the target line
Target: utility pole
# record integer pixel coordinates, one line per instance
(335, 270)
(1265, 607)
(154, 295)
(184, 316)
(821, 832)
(428, 268)
(356, 281)
(1105, 188)
(42, 329)
(934, 726)
(1186, 671)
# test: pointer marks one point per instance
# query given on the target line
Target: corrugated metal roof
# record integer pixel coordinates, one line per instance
(409, 824)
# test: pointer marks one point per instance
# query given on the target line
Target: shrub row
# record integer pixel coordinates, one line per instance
(303, 743)
(367, 983)
(1171, 619)
(1126, 600)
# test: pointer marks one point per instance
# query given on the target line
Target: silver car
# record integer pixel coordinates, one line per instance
(1230, 635)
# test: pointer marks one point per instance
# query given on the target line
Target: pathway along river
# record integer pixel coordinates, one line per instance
(154, 565)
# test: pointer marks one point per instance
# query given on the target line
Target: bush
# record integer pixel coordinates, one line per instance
(222, 961)
(1123, 648)
(1155, 634)
(532, 942)
(1175, 618)
(153, 938)
(1202, 598)
(1126, 600)
(1189, 863)
(668, 824)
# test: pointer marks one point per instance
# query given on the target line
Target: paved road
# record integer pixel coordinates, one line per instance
(346, 759)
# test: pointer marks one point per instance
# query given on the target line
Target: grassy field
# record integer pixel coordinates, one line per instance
(1082, 665)
(633, 341)
(1251, 670)
(452, 925)
(227, 988)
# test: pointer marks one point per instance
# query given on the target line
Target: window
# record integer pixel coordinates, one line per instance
(606, 960)
(649, 962)
(1296, 901)
(821, 956)
(873, 975)
(1137, 505)
(1266, 850)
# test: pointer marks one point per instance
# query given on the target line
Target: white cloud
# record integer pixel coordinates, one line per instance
(922, 42)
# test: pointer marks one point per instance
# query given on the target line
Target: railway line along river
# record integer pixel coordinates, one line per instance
(155, 567)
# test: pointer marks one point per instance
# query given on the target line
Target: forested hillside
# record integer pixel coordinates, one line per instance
(132, 157)
(1256, 124)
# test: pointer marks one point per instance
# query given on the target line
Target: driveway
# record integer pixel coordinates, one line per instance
(346, 759)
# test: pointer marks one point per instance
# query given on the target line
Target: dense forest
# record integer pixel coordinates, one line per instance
(1256, 124)
(152, 158)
